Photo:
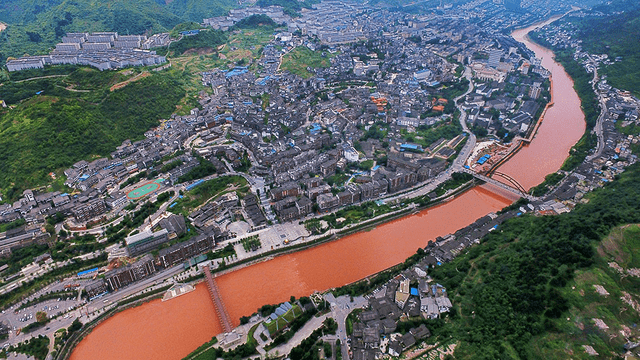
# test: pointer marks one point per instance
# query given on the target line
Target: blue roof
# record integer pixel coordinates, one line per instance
(87, 271)
(414, 291)
(195, 184)
(375, 168)
(238, 70)
(190, 32)
(411, 147)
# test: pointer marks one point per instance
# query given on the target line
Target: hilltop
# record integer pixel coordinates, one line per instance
(34, 26)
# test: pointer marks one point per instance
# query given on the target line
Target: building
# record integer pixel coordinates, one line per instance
(146, 241)
(116, 200)
(402, 294)
(286, 190)
(182, 251)
(24, 63)
(494, 58)
(327, 201)
(174, 224)
(118, 278)
(95, 288)
(68, 47)
(90, 209)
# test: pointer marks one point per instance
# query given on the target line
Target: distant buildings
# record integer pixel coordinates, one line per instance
(104, 51)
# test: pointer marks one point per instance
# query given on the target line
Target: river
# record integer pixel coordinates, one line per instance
(172, 329)
(563, 124)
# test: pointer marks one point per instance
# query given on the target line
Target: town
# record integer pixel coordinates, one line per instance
(402, 112)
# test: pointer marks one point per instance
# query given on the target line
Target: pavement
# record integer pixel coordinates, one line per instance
(341, 307)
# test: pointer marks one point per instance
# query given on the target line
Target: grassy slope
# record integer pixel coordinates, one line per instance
(300, 58)
(52, 131)
(207, 191)
(513, 293)
(621, 246)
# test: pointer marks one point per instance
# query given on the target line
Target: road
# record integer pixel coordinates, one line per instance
(597, 129)
(458, 163)
(340, 309)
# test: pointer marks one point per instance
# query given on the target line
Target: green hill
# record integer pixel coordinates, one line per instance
(526, 292)
(75, 117)
(617, 36)
(34, 26)
(196, 10)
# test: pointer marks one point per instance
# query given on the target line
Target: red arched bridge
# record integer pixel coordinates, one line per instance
(515, 187)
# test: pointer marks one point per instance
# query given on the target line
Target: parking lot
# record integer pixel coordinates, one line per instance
(19, 318)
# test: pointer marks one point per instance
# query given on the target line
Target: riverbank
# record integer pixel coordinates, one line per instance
(67, 350)
(335, 263)
(561, 128)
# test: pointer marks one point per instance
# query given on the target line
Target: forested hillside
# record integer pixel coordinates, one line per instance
(617, 36)
(196, 10)
(73, 118)
(36, 26)
(526, 292)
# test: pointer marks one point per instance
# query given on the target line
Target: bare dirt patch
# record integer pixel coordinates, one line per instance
(590, 350)
(601, 324)
(120, 85)
(627, 298)
(200, 51)
(601, 290)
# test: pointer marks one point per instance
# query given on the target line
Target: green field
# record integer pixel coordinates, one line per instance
(297, 61)
(207, 191)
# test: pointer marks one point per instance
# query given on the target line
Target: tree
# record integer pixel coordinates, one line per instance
(41, 317)
(75, 326)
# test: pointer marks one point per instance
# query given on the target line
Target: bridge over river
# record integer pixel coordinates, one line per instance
(516, 188)
(223, 315)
